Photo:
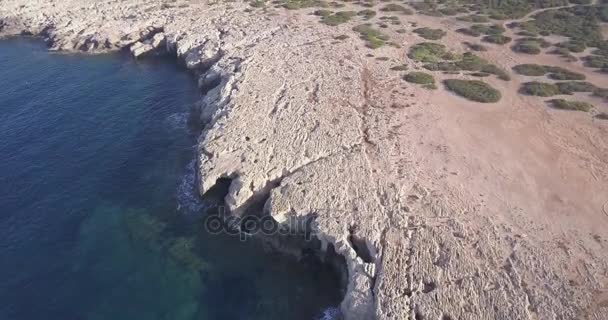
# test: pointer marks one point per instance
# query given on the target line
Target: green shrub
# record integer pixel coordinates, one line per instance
(479, 74)
(430, 34)
(373, 38)
(401, 67)
(338, 18)
(601, 92)
(488, 29)
(393, 7)
(500, 73)
(322, 13)
(471, 62)
(367, 14)
(497, 39)
(469, 32)
(529, 47)
(258, 3)
(571, 105)
(563, 74)
(555, 73)
(300, 4)
(474, 18)
(427, 52)
(573, 46)
(534, 70)
(476, 46)
(580, 24)
(474, 90)
(596, 61)
(541, 89)
(570, 87)
(419, 78)
(565, 53)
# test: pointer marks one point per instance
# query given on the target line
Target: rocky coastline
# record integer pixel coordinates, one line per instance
(306, 127)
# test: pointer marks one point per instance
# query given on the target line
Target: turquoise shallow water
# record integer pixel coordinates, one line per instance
(98, 217)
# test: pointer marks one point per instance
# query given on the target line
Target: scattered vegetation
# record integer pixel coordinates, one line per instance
(476, 46)
(422, 78)
(367, 14)
(429, 33)
(337, 18)
(595, 61)
(602, 116)
(570, 87)
(541, 89)
(474, 18)
(529, 47)
(565, 53)
(258, 3)
(301, 4)
(393, 7)
(427, 52)
(373, 37)
(468, 62)
(474, 90)
(501, 10)
(579, 23)
(488, 29)
(497, 39)
(555, 73)
(401, 67)
(570, 105)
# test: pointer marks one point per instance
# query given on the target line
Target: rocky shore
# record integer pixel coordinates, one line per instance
(442, 208)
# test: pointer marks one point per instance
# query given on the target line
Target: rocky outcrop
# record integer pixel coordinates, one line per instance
(315, 129)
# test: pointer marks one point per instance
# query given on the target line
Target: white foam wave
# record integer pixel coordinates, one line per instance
(178, 120)
(188, 199)
(330, 314)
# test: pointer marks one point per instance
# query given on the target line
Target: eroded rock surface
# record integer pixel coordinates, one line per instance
(405, 183)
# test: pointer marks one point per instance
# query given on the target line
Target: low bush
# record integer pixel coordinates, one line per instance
(570, 105)
(529, 47)
(602, 116)
(596, 61)
(401, 67)
(555, 73)
(476, 46)
(474, 90)
(338, 18)
(601, 92)
(497, 39)
(474, 18)
(393, 7)
(570, 87)
(488, 29)
(419, 78)
(373, 38)
(367, 14)
(469, 32)
(493, 69)
(429, 33)
(300, 4)
(541, 89)
(534, 70)
(427, 52)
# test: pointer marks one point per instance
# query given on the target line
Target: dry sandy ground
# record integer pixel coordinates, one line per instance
(468, 210)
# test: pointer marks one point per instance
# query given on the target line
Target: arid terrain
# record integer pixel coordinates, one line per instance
(453, 184)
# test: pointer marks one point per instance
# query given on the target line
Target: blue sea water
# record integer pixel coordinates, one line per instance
(98, 214)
